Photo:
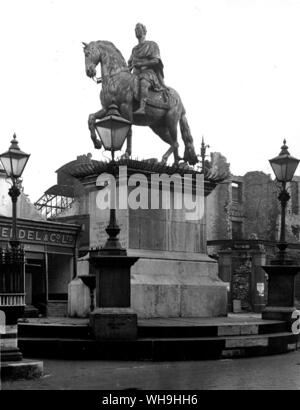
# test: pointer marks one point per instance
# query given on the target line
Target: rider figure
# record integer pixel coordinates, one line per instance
(147, 65)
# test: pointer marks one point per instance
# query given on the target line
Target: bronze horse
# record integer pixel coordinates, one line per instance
(118, 87)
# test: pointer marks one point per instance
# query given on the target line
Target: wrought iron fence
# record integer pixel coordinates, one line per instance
(12, 279)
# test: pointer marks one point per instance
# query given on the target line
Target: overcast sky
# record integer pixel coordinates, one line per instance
(235, 63)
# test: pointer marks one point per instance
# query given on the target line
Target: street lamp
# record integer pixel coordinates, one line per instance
(112, 131)
(12, 281)
(284, 167)
(282, 271)
(14, 161)
(113, 318)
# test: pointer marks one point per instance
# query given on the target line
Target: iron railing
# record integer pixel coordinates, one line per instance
(12, 277)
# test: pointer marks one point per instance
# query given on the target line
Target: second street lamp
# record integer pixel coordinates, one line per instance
(12, 261)
(282, 270)
(284, 167)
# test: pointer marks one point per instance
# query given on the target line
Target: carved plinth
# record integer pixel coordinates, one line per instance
(113, 318)
(281, 292)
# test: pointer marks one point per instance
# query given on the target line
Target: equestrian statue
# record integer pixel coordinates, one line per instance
(139, 91)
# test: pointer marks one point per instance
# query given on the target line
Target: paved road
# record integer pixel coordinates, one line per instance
(272, 372)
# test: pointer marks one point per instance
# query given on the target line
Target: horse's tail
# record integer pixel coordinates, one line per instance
(189, 152)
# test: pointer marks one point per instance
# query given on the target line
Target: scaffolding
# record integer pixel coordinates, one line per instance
(55, 201)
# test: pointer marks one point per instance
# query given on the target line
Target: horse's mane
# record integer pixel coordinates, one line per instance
(114, 52)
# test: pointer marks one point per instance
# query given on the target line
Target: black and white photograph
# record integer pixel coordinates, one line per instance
(149, 199)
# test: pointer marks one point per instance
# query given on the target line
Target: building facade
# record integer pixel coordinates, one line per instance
(243, 221)
(50, 253)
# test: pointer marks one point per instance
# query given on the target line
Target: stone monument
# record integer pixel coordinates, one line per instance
(173, 276)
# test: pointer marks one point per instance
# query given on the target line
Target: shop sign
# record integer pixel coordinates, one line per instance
(38, 235)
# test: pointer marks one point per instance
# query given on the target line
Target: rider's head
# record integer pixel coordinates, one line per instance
(140, 30)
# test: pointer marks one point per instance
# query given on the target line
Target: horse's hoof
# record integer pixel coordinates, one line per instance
(97, 144)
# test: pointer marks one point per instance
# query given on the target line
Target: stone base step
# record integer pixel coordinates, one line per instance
(209, 330)
(159, 339)
(25, 369)
(53, 330)
(167, 349)
(163, 329)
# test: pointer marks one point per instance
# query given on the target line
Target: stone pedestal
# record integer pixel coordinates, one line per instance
(173, 277)
(281, 292)
(113, 318)
(167, 284)
(12, 365)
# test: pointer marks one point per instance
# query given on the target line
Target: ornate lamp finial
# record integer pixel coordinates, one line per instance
(284, 148)
(14, 143)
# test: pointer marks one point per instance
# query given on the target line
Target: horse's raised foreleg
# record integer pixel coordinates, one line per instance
(91, 123)
(129, 144)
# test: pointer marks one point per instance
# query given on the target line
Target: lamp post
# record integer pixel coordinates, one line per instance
(113, 318)
(12, 280)
(284, 167)
(282, 270)
(112, 131)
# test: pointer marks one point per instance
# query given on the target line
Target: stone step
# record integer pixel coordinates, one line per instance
(24, 369)
(53, 330)
(164, 349)
(170, 331)
(165, 329)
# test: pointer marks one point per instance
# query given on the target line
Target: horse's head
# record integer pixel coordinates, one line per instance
(103, 52)
(92, 58)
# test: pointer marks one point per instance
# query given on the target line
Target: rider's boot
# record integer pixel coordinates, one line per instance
(141, 110)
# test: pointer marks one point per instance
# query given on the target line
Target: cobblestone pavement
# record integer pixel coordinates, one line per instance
(272, 372)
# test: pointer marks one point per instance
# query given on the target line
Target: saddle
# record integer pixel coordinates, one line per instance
(156, 99)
